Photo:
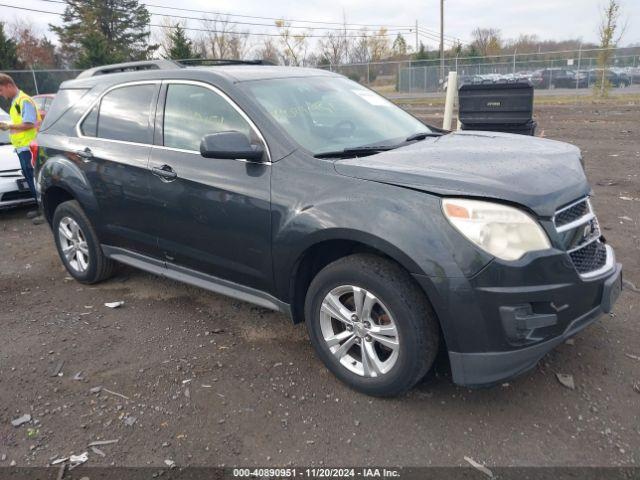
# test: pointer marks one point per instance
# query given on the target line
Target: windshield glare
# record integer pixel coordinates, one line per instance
(328, 114)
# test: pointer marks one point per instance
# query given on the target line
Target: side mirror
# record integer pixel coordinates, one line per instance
(230, 145)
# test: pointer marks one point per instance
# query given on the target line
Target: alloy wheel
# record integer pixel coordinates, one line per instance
(73, 244)
(359, 331)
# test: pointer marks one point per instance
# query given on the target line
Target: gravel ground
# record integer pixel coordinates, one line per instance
(199, 379)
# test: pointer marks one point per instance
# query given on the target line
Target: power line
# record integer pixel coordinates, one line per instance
(437, 34)
(275, 18)
(209, 12)
(435, 38)
(227, 32)
(263, 34)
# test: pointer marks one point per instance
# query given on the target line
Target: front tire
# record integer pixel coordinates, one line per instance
(78, 244)
(371, 325)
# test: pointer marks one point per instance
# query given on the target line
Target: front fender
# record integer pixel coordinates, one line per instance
(404, 224)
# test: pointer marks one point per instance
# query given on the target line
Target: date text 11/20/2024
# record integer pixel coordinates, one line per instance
(316, 472)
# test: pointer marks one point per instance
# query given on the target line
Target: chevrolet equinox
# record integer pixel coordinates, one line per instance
(301, 191)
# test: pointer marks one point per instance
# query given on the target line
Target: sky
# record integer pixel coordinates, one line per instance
(549, 19)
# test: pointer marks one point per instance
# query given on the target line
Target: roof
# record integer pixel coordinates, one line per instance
(244, 73)
(231, 70)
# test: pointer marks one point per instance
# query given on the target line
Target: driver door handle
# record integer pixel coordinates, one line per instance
(165, 172)
(86, 153)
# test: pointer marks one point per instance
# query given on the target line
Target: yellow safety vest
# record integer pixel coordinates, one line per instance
(24, 138)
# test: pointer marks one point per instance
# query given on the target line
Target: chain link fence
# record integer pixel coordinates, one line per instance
(35, 82)
(424, 76)
(565, 69)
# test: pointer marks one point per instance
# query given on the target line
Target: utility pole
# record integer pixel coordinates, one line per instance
(442, 41)
(417, 45)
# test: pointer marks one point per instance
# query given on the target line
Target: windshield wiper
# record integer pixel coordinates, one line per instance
(423, 135)
(373, 149)
(356, 151)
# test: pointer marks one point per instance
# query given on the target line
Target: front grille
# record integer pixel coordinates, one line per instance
(12, 196)
(589, 258)
(578, 227)
(10, 174)
(572, 213)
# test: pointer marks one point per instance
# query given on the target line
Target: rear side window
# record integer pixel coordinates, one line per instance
(124, 114)
(191, 112)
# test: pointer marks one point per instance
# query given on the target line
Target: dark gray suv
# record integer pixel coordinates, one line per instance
(301, 191)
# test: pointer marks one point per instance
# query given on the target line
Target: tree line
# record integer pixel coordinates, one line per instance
(98, 32)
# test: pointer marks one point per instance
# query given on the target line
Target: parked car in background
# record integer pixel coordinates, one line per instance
(524, 76)
(468, 79)
(14, 189)
(43, 103)
(634, 75)
(463, 80)
(616, 78)
(491, 78)
(558, 78)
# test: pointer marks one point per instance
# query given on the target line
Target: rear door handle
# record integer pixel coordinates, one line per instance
(165, 172)
(86, 153)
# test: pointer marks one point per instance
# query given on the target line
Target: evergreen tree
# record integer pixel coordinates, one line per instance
(422, 53)
(94, 51)
(181, 45)
(95, 32)
(8, 51)
(399, 45)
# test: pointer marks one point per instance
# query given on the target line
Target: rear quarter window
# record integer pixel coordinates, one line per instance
(89, 126)
(63, 101)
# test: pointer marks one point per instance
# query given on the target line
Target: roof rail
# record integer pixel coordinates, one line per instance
(219, 61)
(130, 67)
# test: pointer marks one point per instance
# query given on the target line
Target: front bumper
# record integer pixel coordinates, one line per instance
(11, 194)
(500, 323)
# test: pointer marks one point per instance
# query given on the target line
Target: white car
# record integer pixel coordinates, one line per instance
(14, 189)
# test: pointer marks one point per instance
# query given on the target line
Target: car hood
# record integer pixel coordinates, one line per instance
(538, 173)
(8, 158)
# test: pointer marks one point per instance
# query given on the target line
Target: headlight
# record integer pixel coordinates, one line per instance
(504, 232)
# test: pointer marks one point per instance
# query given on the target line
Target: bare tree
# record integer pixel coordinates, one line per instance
(222, 40)
(294, 45)
(610, 33)
(487, 41)
(268, 51)
(378, 44)
(523, 44)
(332, 48)
(359, 52)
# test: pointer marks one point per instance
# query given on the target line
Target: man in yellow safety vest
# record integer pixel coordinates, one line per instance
(23, 129)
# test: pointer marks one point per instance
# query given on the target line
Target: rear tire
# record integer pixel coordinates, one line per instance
(78, 244)
(370, 290)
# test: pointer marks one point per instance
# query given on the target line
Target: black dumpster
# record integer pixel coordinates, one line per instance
(499, 107)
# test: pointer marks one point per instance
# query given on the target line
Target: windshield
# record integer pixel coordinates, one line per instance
(327, 114)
